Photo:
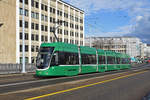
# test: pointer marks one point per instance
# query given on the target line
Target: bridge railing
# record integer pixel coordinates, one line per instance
(15, 68)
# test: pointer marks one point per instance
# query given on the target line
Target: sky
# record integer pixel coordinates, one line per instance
(110, 18)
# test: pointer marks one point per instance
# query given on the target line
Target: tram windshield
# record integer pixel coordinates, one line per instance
(43, 57)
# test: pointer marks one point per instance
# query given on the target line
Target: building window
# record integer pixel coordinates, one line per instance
(32, 3)
(42, 6)
(81, 20)
(37, 26)
(57, 12)
(65, 32)
(81, 28)
(20, 35)
(32, 37)
(46, 39)
(46, 18)
(26, 2)
(54, 10)
(26, 13)
(32, 59)
(37, 38)
(20, 48)
(26, 24)
(42, 27)
(21, 11)
(76, 34)
(36, 4)
(51, 19)
(26, 48)
(76, 19)
(32, 14)
(51, 9)
(46, 28)
(76, 42)
(20, 23)
(42, 38)
(60, 13)
(59, 31)
(42, 17)
(32, 25)
(26, 36)
(66, 40)
(37, 48)
(45, 7)
(65, 15)
(81, 42)
(51, 29)
(51, 39)
(81, 35)
(37, 15)
(71, 33)
(21, 1)
(32, 48)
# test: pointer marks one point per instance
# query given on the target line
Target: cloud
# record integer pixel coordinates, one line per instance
(141, 29)
(138, 10)
(90, 6)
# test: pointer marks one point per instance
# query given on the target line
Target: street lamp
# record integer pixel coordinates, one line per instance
(55, 28)
(23, 38)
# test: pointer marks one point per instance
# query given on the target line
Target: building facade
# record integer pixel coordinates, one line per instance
(147, 53)
(41, 17)
(128, 45)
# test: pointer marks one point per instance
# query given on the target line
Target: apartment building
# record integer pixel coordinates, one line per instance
(41, 16)
(128, 45)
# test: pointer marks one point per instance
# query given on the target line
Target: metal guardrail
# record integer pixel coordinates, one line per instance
(15, 68)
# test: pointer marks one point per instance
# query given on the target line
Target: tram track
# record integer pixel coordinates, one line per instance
(32, 78)
(22, 85)
(12, 79)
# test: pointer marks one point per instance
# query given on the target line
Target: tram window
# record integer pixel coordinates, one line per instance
(101, 59)
(118, 60)
(88, 59)
(66, 58)
(110, 60)
(125, 60)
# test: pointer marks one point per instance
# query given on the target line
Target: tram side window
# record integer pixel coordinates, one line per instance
(68, 58)
(118, 60)
(88, 59)
(101, 59)
(125, 61)
(110, 60)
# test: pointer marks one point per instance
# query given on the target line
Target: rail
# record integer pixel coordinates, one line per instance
(15, 68)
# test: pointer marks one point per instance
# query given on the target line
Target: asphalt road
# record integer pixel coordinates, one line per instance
(130, 88)
(121, 85)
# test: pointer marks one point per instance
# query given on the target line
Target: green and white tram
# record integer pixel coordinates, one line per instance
(62, 59)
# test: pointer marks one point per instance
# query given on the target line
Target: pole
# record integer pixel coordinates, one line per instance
(90, 42)
(55, 28)
(23, 37)
(54, 32)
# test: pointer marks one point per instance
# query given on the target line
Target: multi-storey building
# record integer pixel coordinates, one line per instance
(128, 45)
(41, 17)
(147, 53)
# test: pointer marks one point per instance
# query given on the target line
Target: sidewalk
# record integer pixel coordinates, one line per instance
(16, 74)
